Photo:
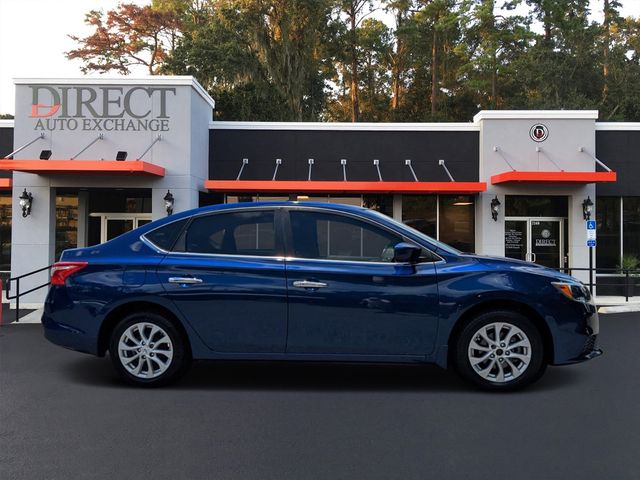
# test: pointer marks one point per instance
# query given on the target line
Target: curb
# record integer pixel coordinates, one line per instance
(620, 309)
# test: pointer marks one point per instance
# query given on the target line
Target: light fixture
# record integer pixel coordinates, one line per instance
(168, 203)
(587, 208)
(26, 199)
(45, 154)
(121, 155)
(461, 201)
(495, 208)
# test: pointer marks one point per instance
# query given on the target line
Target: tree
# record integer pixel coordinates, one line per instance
(131, 35)
(402, 11)
(216, 48)
(354, 10)
(374, 49)
(285, 34)
(492, 46)
(611, 18)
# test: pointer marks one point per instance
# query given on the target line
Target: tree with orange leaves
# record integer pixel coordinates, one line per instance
(129, 35)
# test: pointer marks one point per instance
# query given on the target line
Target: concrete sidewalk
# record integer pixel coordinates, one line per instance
(614, 304)
(31, 317)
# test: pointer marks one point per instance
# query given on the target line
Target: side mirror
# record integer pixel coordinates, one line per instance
(406, 253)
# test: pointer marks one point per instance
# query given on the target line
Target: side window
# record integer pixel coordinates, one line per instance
(165, 236)
(336, 237)
(237, 233)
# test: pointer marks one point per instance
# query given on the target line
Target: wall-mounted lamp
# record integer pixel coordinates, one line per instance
(26, 199)
(168, 203)
(495, 208)
(121, 156)
(587, 208)
(45, 154)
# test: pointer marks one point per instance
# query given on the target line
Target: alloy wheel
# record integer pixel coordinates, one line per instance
(145, 350)
(499, 352)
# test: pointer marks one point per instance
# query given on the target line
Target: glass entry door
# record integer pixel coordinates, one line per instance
(114, 224)
(539, 240)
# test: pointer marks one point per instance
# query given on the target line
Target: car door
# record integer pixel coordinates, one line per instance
(226, 276)
(347, 296)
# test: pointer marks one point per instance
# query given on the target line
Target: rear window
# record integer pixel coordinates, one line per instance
(237, 233)
(165, 236)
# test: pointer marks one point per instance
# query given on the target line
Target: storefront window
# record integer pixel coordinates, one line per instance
(631, 226)
(5, 233)
(457, 222)
(608, 217)
(535, 206)
(379, 203)
(66, 223)
(421, 213)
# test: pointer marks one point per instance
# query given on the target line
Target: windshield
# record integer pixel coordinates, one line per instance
(443, 247)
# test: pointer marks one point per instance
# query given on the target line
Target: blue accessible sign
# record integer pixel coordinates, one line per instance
(591, 233)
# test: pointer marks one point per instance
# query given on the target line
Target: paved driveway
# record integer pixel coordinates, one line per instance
(63, 415)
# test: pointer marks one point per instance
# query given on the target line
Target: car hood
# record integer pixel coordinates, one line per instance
(521, 265)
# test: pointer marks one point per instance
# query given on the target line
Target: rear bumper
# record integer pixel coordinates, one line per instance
(67, 336)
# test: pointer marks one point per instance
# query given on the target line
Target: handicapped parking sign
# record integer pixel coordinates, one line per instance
(591, 233)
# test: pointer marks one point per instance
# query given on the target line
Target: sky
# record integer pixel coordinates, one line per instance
(34, 37)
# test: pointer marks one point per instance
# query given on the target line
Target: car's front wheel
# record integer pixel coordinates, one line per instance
(500, 350)
(147, 350)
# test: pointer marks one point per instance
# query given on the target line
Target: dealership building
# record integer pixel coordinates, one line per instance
(85, 160)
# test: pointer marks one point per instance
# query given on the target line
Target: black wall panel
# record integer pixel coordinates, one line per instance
(6, 147)
(227, 148)
(620, 151)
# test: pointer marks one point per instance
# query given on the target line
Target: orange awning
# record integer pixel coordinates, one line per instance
(553, 177)
(5, 183)
(104, 167)
(314, 186)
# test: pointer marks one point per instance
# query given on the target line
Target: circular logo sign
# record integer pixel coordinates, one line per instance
(539, 132)
(545, 233)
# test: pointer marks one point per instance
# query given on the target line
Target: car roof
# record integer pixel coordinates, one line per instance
(243, 205)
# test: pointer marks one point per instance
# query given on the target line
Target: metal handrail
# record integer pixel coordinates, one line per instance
(18, 292)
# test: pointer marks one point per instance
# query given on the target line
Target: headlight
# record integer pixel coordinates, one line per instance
(574, 291)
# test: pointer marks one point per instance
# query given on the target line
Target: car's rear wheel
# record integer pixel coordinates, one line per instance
(500, 350)
(147, 350)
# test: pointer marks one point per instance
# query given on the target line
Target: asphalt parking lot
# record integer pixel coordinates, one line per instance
(65, 415)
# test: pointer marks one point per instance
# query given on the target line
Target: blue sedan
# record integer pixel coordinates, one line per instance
(309, 281)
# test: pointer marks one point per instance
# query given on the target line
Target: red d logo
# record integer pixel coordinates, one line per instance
(51, 110)
(47, 109)
(539, 132)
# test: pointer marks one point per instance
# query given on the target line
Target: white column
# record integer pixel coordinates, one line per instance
(83, 217)
(489, 232)
(397, 207)
(578, 250)
(32, 240)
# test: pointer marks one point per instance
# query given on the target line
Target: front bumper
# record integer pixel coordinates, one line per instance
(590, 349)
(596, 352)
(576, 334)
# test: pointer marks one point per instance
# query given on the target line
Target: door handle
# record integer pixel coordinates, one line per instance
(309, 284)
(185, 280)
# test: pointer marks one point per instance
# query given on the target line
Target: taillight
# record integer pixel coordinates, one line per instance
(63, 270)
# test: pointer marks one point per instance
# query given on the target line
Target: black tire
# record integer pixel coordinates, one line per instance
(524, 374)
(167, 368)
